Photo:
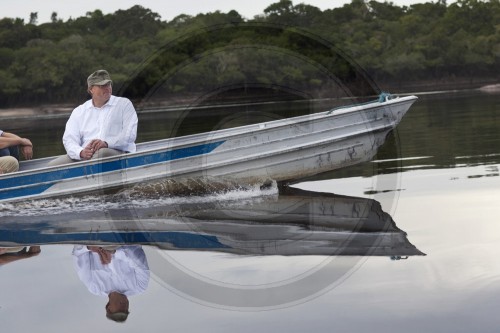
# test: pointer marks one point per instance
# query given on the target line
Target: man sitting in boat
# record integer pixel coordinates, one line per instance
(10, 144)
(105, 125)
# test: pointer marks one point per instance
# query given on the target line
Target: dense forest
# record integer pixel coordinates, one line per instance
(432, 43)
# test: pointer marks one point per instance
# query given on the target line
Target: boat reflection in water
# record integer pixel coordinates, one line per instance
(109, 239)
(293, 222)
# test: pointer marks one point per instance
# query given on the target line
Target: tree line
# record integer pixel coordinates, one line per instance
(434, 41)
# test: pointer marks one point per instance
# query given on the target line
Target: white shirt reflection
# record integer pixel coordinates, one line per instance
(127, 273)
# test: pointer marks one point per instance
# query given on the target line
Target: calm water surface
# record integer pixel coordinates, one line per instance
(406, 243)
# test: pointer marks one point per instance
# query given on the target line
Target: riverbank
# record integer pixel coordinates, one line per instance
(45, 110)
(446, 84)
(62, 110)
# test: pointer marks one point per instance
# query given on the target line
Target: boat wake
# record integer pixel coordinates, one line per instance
(159, 193)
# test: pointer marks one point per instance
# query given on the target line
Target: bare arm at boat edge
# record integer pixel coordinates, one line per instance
(23, 254)
(9, 139)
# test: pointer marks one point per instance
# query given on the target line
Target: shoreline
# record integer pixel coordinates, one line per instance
(27, 112)
(61, 110)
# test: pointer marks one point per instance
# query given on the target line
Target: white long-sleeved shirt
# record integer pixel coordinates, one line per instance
(115, 122)
(128, 272)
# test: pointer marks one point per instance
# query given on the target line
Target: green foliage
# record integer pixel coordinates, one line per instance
(49, 62)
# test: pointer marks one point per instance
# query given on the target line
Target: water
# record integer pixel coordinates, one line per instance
(424, 215)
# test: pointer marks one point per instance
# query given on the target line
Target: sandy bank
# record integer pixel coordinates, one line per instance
(48, 111)
(491, 88)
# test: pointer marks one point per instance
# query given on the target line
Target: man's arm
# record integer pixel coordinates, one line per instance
(10, 139)
(135, 257)
(71, 137)
(23, 254)
(122, 131)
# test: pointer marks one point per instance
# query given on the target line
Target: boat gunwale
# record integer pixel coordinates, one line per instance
(283, 122)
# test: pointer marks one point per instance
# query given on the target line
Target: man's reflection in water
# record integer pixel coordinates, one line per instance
(113, 271)
(11, 254)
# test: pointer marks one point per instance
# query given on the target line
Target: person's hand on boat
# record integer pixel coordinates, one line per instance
(27, 152)
(26, 148)
(34, 250)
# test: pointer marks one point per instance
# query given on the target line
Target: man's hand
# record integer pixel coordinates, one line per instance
(27, 152)
(92, 148)
(97, 144)
(104, 255)
(86, 153)
(33, 251)
(26, 148)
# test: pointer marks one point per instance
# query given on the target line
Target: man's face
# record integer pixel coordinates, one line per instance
(117, 303)
(101, 93)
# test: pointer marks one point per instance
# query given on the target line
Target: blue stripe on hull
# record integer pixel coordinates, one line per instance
(52, 177)
(32, 190)
(180, 240)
